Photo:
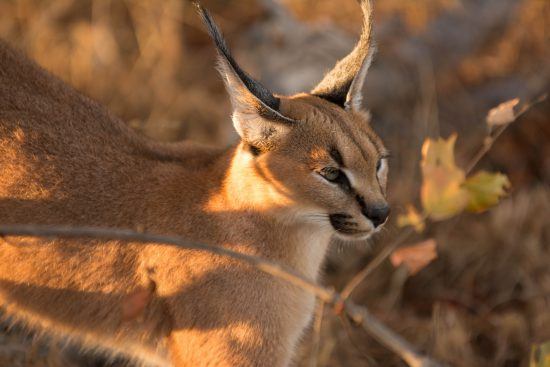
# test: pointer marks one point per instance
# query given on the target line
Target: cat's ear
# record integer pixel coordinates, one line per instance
(344, 83)
(256, 114)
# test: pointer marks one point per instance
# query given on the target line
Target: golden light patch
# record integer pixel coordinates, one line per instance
(262, 190)
(11, 174)
(319, 154)
(245, 334)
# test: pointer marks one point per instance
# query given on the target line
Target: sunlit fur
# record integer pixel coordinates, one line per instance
(64, 160)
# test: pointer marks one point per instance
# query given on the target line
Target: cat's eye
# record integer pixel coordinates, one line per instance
(379, 165)
(330, 173)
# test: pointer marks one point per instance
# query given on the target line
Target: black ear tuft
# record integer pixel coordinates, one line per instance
(256, 115)
(257, 89)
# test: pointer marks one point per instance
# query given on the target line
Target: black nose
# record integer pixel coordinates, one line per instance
(377, 213)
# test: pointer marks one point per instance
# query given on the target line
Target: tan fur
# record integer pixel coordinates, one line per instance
(65, 161)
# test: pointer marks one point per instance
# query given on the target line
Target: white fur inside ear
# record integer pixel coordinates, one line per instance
(240, 119)
(355, 92)
(256, 130)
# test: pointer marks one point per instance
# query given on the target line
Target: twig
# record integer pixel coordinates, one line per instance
(267, 266)
(406, 233)
(492, 137)
(316, 337)
(357, 313)
(372, 265)
(361, 316)
(345, 320)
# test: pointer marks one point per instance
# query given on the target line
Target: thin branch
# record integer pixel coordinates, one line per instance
(270, 267)
(346, 324)
(372, 265)
(492, 137)
(357, 313)
(406, 233)
(362, 317)
(316, 334)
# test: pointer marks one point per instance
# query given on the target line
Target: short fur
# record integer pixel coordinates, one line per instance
(64, 160)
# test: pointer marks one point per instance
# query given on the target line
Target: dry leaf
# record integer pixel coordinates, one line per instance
(442, 194)
(485, 189)
(540, 355)
(415, 257)
(411, 218)
(503, 113)
(446, 192)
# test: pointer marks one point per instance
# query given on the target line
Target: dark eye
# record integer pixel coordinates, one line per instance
(331, 174)
(378, 165)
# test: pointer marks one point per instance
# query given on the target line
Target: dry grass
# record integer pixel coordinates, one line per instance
(441, 65)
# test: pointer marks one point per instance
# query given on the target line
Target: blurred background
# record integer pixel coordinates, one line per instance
(441, 65)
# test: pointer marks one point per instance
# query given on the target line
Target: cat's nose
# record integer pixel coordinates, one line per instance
(377, 213)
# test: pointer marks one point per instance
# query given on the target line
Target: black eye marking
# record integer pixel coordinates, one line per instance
(335, 154)
(336, 176)
(361, 201)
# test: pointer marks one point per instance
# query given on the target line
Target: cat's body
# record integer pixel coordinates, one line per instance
(65, 161)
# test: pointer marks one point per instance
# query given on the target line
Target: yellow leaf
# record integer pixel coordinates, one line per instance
(442, 194)
(503, 113)
(485, 189)
(411, 218)
(415, 257)
(540, 355)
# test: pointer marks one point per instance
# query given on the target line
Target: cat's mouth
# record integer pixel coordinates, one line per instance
(347, 228)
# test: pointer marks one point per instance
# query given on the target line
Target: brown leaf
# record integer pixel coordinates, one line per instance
(502, 114)
(415, 257)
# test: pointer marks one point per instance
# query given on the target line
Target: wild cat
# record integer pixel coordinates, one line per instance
(307, 167)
